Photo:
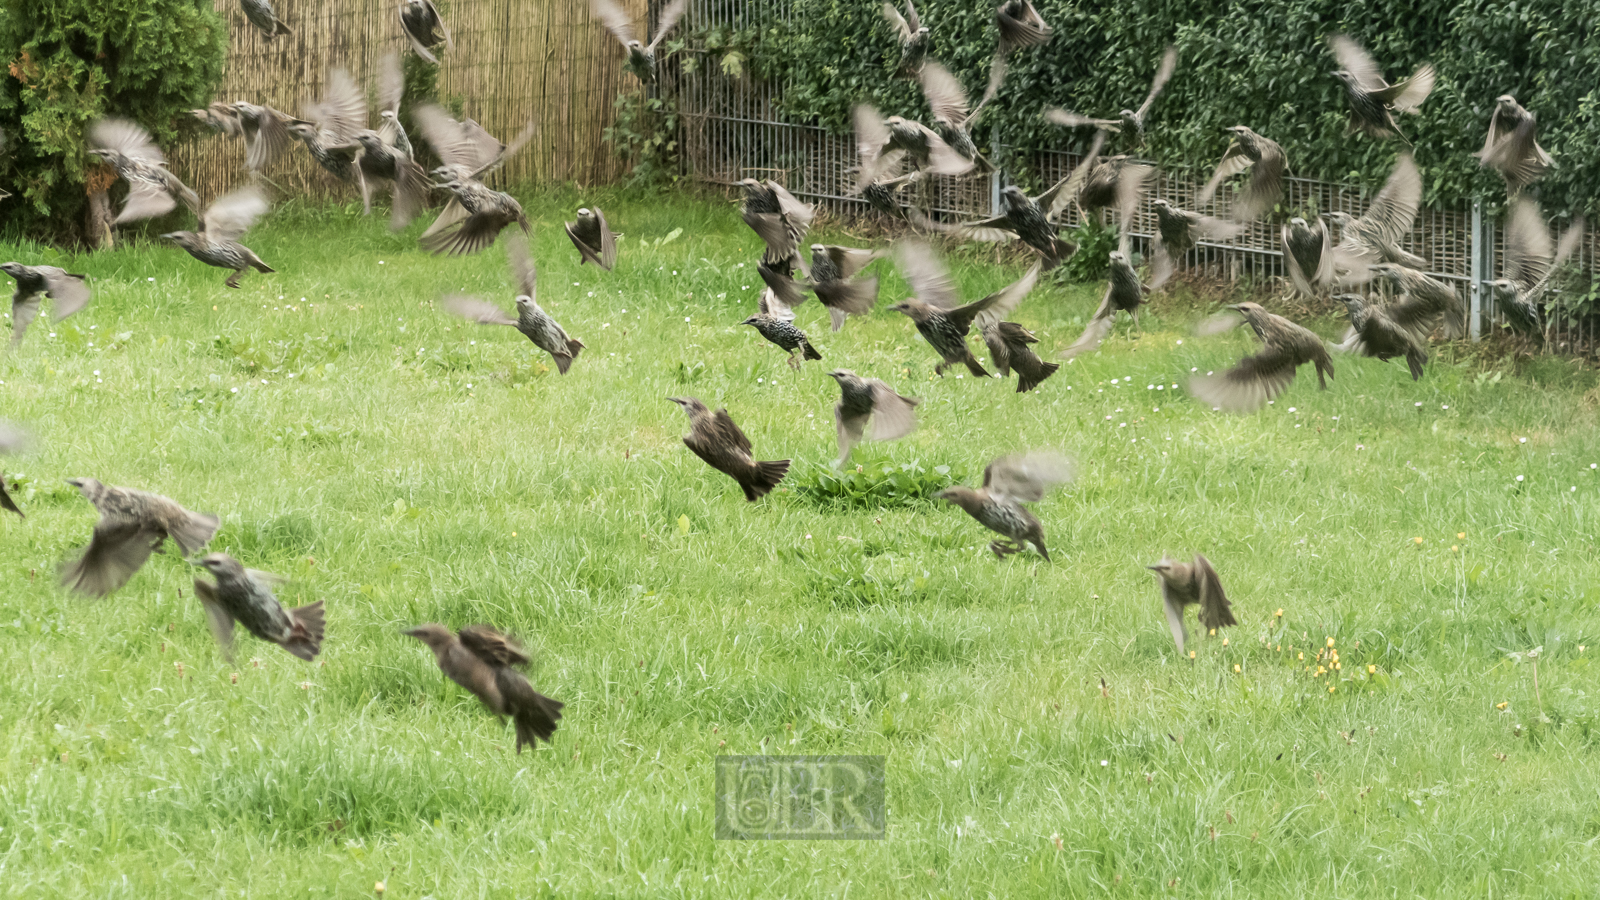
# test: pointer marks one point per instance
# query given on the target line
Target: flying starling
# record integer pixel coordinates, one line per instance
(1307, 255)
(596, 242)
(936, 307)
(1131, 120)
(386, 153)
(481, 660)
(1531, 258)
(833, 271)
(775, 321)
(778, 219)
(1021, 26)
(265, 132)
(12, 439)
(714, 438)
(641, 58)
(1512, 146)
(1375, 237)
(1256, 379)
(245, 596)
(534, 323)
(152, 190)
(1036, 221)
(330, 125)
(424, 28)
(1423, 303)
(34, 282)
(1266, 162)
(217, 241)
(1124, 292)
(477, 213)
(1373, 101)
(133, 524)
(219, 116)
(869, 403)
(1009, 482)
(1177, 230)
(1376, 332)
(913, 36)
(948, 100)
(1008, 342)
(1189, 584)
(879, 179)
(260, 14)
(1114, 181)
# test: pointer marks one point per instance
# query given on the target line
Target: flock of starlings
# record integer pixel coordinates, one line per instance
(896, 156)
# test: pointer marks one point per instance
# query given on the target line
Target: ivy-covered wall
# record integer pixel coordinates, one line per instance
(1263, 64)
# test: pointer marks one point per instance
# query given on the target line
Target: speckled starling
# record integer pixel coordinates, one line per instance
(476, 213)
(12, 440)
(867, 403)
(386, 155)
(1256, 379)
(1009, 482)
(1177, 230)
(1266, 162)
(265, 131)
(330, 126)
(1008, 342)
(1531, 258)
(1373, 101)
(481, 660)
(1192, 584)
(775, 321)
(641, 58)
(1114, 181)
(1021, 26)
(1035, 221)
(424, 28)
(152, 190)
(777, 218)
(936, 306)
(1376, 333)
(261, 15)
(534, 323)
(953, 120)
(1308, 255)
(834, 281)
(1423, 303)
(914, 38)
(716, 439)
(1124, 292)
(219, 116)
(245, 596)
(1128, 121)
(217, 241)
(133, 524)
(1375, 237)
(595, 240)
(69, 292)
(1512, 146)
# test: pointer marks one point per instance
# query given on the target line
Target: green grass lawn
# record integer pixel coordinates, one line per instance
(1043, 737)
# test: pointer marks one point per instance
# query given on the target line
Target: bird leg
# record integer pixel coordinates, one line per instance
(1003, 549)
(939, 370)
(233, 280)
(793, 363)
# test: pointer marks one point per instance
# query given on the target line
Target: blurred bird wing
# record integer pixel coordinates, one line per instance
(1163, 267)
(523, 271)
(850, 260)
(391, 83)
(902, 29)
(343, 107)
(872, 138)
(997, 77)
(1075, 120)
(145, 201)
(608, 240)
(1569, 243)
(493, 647)
(1066, 190)
(1096, 332)
(1233, 162)
(850, 429)
(1248, 385)
(218, 619)
(117, 549)
(785, 291)
(893, 416)
(1492, 139)
(71, 292)
(475, 310)
(930, 280)
(1174, 610)
(12, 438)
(1168, 65)
(1215, 324)
(1355, 60)
(232, 214)
(992, 230)
(853, 298)
(433, 11)
(1530, 251)
(125, 137)
(1030, 30)
(417, 45)
(1394, 209)
(796, 212)
(1407, 95)
(452, 214)
(669, 19)
(1026, 476)
(1518, 155)
(615, 19)
(913, 21)
(1005, 301)
(265, 139)
(452, 141)
(1215, 612)
(1130, 189)
(942, 158)
(946, 96)
(479, 134)
(24, 309)
(726, 432)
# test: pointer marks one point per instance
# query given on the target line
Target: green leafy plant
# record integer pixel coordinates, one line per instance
(877, 485)
(1095, 243)
(646, 132)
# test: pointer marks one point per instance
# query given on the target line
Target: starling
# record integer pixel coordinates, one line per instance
(330, 126)
(386, 155)
(1266, 162)
(1376, 331)
(641, 58)
(1036, 220)
(1009, 482)
(948, 100)
(1124, 292)
(1423, 303)
(775, 321)
(265, 131)
(1373, 101)
(245, 596)
(714, 438)
(221, 117)
(879, 178)
(1131, 120)
(1531, 258)
(778, 218)
(1375, 237)
(152, 190)
(1008, 342)
(833, 280)
(1512, 146)
(596, 242)
(534, 323)
(477, 213)
(133, 524)
(913, 36)
(12, 439)
(1021, 26)
(260, 14)
(481, 660)
(424, 28)
(1177, 230)
(1307, 255)
(1113, 180)
(217, 241)
(1187, 584)
(33, 282)
(1256, 379)
(937, 311)
(868, 402)
(883, 195)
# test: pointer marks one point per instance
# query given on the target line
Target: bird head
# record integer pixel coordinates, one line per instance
(88, 487)
(1129, 116)
(1341, 219)
(752, 187)
(524, 301)
(912, 307)
(14, 269)
(303, 130)
(923, 32)
(369, 141)
(1297, 222)
(1251, 311)
(1504, 289)
(964, 497)
(432, 634)
(1352, 302)
(1242, 134)
(1161, 204)
(103, 153)
(1163, 568)
(753, 320)
(1390, 271)
(218, 564)
(185, 239)
(819, 248)
(841, 374)
(690, 405)
(1505, 101)
(585, 213)
(1013, 197)
(1344, 76)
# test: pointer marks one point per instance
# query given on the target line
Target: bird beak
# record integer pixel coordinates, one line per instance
(169, 236)
(194, 562)
(411, 632)
(1235, 307)
(1153, 568)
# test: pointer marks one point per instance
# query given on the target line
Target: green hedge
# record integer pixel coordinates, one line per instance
(1264, 64)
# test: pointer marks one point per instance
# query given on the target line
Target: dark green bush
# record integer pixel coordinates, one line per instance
(73, 61)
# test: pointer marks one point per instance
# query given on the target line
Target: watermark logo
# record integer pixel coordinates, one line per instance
(800, 798)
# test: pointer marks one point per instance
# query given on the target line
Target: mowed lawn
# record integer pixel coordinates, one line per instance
(1043, 737)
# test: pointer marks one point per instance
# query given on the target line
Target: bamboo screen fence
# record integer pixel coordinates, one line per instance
(512, 59)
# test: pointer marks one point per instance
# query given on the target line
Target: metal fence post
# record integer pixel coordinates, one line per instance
(1476, 255)
(994, 177)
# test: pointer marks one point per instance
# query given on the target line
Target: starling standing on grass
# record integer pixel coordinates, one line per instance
(937, 311)
(1376, 331)
(152, 190)
(1375, 236)
(1190, 584)
(217, 241)
(1256, 379)
(641, 58)
(245, 596)
(1373, 101)
(948, 100)
(716, 439)
(1131, 120)
(778, 219)
(1008, 342)
(1124, 292)
(596, 242)
(1512, 146)
(477, 213)
(534, 323)
(12, 439)
(133, 524)
(260, 14)
(1021, 26)
(481, 660)
(1009, 482)
(1177, 230)
(1307, 255)
(1035, 220)
(1266, 162)
(913, 36)
(33, 282)
(865, 402)
(775, 320)
(424, 28)
(1531, 258)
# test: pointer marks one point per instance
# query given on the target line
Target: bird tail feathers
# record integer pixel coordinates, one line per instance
(1027, 381)
(765, 477)
(305, 639)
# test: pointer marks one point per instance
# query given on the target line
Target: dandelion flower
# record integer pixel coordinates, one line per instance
(1461, 535)
(1191, 654)
(1372, 670)
(1330, 640)
(1418, 540)
(1235, 668)
(1302, 655)
(1279, 613)
(1501, 705)
(1332, 688)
